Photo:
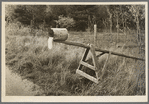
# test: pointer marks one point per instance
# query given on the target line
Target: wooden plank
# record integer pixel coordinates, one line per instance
(85, 54)
(95, 60)
(87, 76)
(98, 49)
(84, 57)
(100, 54)
(87, 65)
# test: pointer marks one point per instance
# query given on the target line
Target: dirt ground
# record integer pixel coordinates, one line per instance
(15, 86)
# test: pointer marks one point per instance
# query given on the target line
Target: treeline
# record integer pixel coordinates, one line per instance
(78, 17)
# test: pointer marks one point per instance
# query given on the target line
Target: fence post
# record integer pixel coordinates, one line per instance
(95, 34)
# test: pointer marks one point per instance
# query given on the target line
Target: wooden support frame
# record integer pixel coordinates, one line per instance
(94, 68)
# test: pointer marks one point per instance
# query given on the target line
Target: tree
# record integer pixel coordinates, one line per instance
(79, 14)
(9, 12)
(30, 14)
(88, 15)
(110, 17)
(138, 12)
(97, 14)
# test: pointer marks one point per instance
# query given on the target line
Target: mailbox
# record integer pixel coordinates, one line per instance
(59, 34)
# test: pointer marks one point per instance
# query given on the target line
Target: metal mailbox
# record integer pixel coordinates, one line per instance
(59, 34)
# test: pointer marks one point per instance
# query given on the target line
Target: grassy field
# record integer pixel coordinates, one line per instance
(54, 70)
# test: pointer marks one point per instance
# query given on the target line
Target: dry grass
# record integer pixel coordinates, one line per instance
(54, 70)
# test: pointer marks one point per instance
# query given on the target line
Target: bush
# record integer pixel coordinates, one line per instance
(65, 22)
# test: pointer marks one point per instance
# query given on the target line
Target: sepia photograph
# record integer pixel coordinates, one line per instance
(74, 51)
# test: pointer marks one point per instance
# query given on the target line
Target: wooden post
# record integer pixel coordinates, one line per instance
(95, 34)
(98, 49)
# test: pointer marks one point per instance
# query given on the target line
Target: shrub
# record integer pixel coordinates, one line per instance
(65, 22)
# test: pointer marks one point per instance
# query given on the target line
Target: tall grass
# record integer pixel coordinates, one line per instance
(54, 70)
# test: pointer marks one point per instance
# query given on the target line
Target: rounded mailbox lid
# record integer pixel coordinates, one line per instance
(60, 34)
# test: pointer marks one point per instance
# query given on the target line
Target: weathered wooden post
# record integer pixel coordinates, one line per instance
(95, 35)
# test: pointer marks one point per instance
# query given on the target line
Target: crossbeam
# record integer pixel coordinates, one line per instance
(98, 49)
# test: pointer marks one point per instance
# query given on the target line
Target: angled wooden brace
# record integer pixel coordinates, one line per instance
(103, 69)
(95, 60)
